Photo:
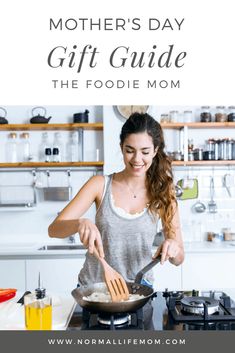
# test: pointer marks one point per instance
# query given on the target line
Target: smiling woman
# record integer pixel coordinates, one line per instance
(129, 204)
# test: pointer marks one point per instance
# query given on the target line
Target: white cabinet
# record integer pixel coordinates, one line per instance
(12, 274)
(57, 275)
(208, 271)
(167, 276)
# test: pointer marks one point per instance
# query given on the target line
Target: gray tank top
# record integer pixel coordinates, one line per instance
(127, 242)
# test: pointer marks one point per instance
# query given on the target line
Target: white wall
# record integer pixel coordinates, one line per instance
(32, 226)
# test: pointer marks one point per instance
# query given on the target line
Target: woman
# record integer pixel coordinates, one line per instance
(129, 205)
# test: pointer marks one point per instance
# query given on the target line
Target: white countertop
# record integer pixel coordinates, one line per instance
(12, 313)
(25, 250)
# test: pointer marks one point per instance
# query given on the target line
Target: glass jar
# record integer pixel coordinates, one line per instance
(11, 148)
(188, 116)
(191, 156)
(205, 115)
(72, 148)
(223, 149)
(24, 147)
(177, 156)
(174, 116)
(231, 113)
(230, 149)
(165, 119)
(220, 115)
(233, 152)
(198, 154)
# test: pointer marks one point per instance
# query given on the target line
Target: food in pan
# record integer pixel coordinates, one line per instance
(104, 297)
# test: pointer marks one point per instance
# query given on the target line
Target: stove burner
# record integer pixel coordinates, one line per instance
(116, 319)
(196, 305)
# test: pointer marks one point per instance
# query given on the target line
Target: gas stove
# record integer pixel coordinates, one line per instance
(168, 310)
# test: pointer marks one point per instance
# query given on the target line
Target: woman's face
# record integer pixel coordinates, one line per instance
(138, 153)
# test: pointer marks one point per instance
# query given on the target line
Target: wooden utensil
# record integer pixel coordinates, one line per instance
(115, 282)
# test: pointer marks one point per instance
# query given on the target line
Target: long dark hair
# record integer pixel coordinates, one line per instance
(159, 175)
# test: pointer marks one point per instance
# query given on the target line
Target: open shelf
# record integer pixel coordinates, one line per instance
(38, 127)
(202, 163)
(198, 125)
(52, 164)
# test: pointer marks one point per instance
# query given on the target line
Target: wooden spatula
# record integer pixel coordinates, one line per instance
(115, 282)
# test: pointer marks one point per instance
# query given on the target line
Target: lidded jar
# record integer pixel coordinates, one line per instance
(220, 115)
(24, 147)
(205, 115)
(231, 114)
(165, 119)
(11, 148)
(188, 116)
(174, 116)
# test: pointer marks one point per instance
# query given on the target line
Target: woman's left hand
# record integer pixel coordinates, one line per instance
(169, 250)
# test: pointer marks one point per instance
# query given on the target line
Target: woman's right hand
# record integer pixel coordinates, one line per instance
(90, 236)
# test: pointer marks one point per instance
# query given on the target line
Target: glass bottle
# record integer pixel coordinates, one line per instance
(205, 115)
(24, 147)
(72, 148)
(38, 310)
(44, 146)
(48, 157)
(11, 148)
(58, 143)
(220, 115)
(56, 155)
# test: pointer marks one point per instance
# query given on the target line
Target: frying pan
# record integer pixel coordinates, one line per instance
(120, 307)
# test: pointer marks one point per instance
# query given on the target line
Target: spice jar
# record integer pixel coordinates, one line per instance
(165, 119)
(220, 115)
(231, 114)
(177, 156)
(230, 143)
(205, 114)
(198, 154)
(174, 116)
(188, 116)
(233, 151)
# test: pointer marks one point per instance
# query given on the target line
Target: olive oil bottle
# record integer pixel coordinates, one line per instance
(38, 310)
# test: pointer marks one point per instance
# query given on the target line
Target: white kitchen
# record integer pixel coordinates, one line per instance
(34, 189)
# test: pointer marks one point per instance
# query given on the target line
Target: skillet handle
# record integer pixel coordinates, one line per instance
(148, 267)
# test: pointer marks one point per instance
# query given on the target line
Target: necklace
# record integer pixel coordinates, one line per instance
(133, 192)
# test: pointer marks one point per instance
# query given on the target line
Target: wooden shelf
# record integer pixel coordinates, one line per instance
(198, 125)
(202, 163)
(49, 165)
(37, 127)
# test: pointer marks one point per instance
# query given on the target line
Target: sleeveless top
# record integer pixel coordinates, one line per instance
(127, 242)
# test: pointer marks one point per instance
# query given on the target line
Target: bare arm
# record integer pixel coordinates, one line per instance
(172, 248)
(69, 220)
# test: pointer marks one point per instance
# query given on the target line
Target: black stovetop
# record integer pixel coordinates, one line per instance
(164, 312)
